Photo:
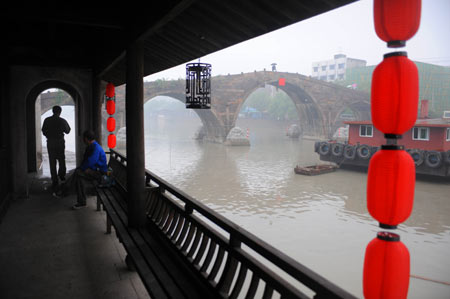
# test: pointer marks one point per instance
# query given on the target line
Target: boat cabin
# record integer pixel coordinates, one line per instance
(427, 134)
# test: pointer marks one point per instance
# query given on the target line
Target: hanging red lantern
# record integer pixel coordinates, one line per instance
(111, 124)
(386, 268)
(390, 185)
(281, 82)
(110, 107)
(395, 94)
(110, 90)
(396, 21)
(112, 141)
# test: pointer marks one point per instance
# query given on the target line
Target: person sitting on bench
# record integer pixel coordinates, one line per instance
(90, 171)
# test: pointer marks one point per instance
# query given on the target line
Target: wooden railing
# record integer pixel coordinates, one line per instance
(232, 260)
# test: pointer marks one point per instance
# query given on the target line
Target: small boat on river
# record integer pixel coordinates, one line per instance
(315, 169)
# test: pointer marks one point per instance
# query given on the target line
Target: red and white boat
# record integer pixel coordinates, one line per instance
(428, 142)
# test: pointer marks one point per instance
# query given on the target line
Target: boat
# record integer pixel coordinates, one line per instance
(315, 169)
(428, 143)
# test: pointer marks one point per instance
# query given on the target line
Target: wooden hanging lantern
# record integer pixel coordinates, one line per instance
(396, 21)
(386, 268)
(198, 85)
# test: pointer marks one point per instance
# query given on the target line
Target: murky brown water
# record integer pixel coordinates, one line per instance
(321, 221)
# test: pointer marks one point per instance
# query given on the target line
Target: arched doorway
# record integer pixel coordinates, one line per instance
(44, 104)
(33, 121)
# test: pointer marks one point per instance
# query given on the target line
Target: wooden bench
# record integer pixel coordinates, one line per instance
(187, 250)
(162, 272)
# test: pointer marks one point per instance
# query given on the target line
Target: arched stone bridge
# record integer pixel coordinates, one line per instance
(319, 104)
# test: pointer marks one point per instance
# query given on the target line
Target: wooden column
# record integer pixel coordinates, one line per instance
(97, 95)
(134, 107)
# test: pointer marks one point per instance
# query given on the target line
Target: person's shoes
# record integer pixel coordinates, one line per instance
(78, 206)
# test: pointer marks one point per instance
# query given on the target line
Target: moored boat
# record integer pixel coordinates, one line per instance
(428, 143)
(315, 169)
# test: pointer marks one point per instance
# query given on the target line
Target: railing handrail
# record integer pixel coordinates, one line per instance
(292, 267)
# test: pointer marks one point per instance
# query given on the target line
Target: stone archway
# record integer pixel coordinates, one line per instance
(32, 128)
(310, 115)
(359, 109)
(215, 131)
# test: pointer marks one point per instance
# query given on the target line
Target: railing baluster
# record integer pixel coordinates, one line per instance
(228, 274)
(268, 292)
(162, 214)
(239, 282)
(152, 197)
(169, 221)
(188, 241)
(178, 228)
(201, 250)
(253, 287)
(198, 236)
(156, 209)
(218, 262)
(230, 268)
(183, 234)
(173, 225)
(209, 256)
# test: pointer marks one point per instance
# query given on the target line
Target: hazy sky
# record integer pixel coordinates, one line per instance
(348, 30)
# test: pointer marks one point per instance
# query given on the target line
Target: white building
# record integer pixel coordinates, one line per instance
(334, 69)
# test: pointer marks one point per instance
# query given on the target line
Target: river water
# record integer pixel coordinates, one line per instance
(321, 221)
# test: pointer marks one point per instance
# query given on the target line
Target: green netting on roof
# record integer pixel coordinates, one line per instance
(434, 84)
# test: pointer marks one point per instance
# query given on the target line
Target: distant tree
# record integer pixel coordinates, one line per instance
(276, 103)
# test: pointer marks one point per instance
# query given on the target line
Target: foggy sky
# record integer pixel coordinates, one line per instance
(348, 30)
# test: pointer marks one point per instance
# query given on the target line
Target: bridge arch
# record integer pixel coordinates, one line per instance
(359, 109)
(33, 146)
(215, 130)
(310, 116)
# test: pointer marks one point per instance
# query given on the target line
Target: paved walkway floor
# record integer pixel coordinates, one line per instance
(49, 251)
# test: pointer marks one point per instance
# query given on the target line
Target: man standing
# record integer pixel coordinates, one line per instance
(54, 128)
(91, 169)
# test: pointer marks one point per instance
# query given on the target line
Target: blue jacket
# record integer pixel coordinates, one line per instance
(94, 158)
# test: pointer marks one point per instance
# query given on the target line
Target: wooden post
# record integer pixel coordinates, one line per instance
(97, 109)
(134, 107)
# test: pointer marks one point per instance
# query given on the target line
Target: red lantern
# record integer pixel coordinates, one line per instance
(396, 21)
(110, 107)
(386, 268)
(111, 124)
(281, 82)
(110, 91)
(112, 141)
(390, 185)
(395, 94)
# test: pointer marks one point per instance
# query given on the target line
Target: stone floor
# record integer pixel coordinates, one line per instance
(49, 251)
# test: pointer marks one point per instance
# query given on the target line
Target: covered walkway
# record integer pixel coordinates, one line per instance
(49, 251)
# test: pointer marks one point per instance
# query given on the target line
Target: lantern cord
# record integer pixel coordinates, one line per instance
(430, 279)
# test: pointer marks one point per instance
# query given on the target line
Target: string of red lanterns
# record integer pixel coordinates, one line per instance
(391, 175)
(111, 109)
